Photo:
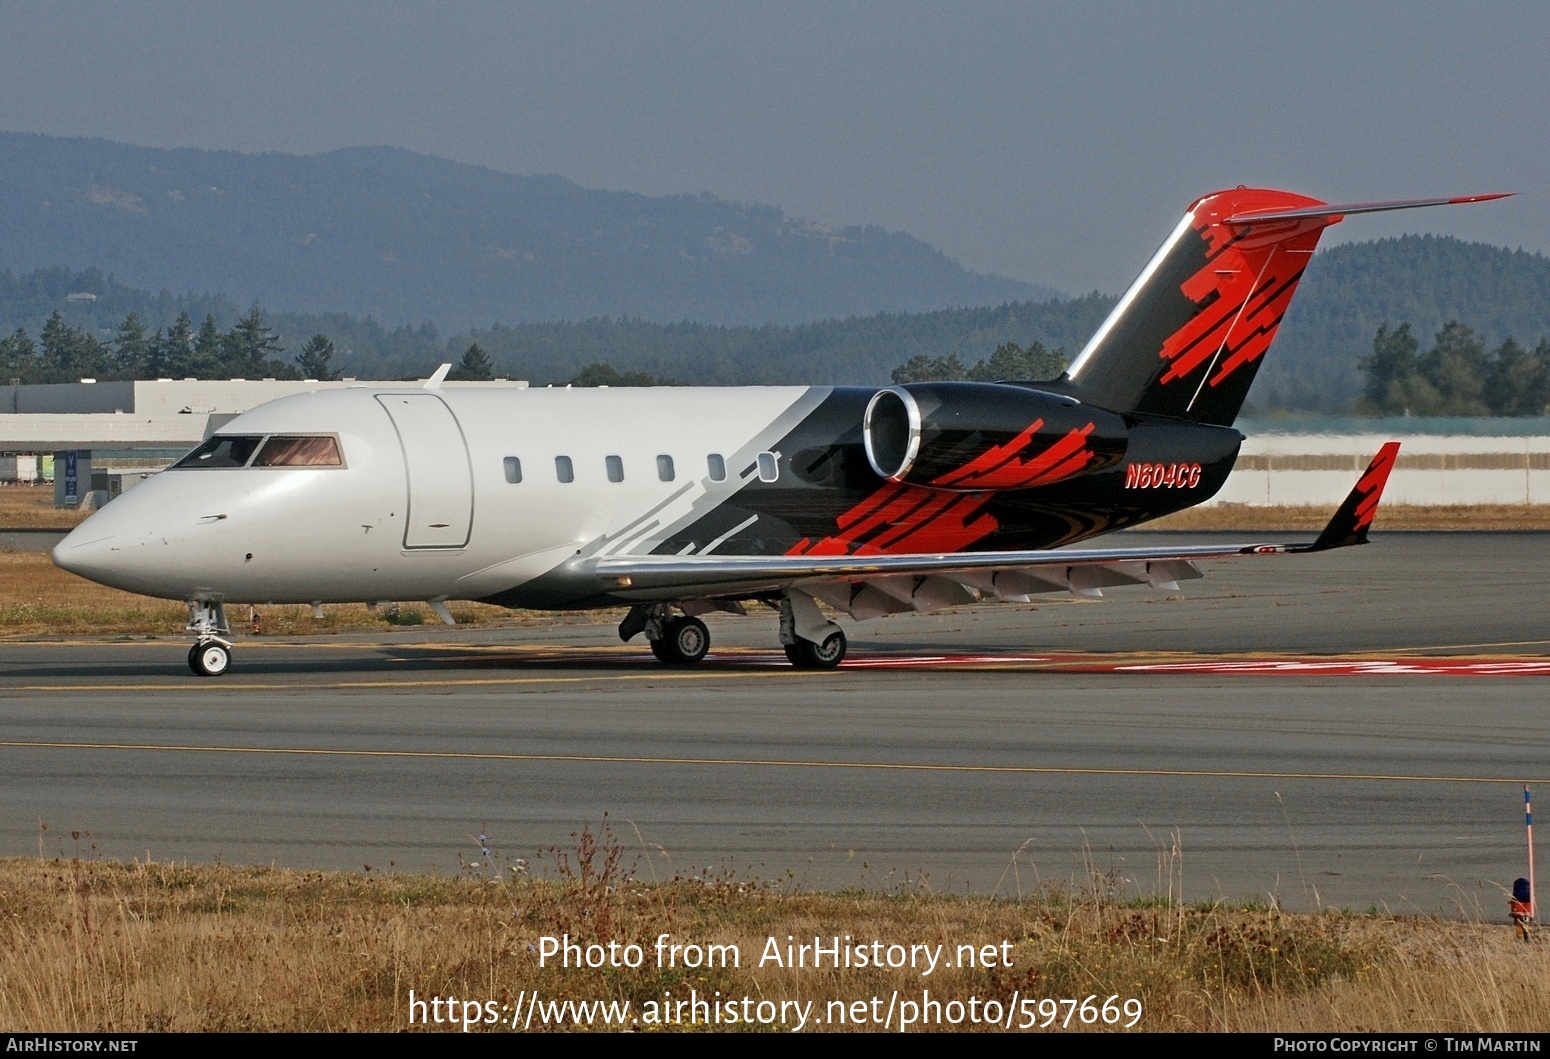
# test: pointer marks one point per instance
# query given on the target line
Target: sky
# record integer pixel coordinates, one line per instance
(1054, 143)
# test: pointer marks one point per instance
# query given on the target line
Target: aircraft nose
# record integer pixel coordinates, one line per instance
(86, 551)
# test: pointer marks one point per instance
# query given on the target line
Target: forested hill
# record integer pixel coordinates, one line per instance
(407, 238)
(1349, 291)
(94, 307)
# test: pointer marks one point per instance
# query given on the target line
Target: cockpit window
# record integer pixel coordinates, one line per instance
(283, 451)
(278, 450)
(223, 450)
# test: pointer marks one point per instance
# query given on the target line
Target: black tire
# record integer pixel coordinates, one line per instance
(684, 642)
(193, 660)
(210, 659)
(808, 655)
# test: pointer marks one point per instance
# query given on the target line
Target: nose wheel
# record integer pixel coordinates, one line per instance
(209, 659)
(211, 654)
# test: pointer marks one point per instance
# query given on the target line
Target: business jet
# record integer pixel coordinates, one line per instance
(676, 502)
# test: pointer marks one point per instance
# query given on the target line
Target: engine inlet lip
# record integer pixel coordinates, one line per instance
(881, 414)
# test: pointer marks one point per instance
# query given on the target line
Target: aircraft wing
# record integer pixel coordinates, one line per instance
(867, 586)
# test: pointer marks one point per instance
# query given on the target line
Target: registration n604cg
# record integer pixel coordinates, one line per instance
(1162, 475)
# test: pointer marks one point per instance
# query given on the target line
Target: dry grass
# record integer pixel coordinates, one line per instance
(32, 507)
(88, 946)
(36, 597)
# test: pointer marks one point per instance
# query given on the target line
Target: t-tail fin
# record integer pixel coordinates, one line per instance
(1188, 336)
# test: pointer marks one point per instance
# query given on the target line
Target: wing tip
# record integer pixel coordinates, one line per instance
(1352, 521)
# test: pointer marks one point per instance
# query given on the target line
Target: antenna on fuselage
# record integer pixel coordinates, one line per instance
(434, 382)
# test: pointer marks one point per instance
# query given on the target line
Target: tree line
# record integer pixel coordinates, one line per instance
(251, 349)
(1456, 376)
(1008, 362)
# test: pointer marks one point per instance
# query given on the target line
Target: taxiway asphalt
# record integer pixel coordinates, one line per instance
(990, 749)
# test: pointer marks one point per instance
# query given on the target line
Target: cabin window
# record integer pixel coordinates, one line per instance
(718, 467)
(563, 469)
(513, 470)
(615, 467)
(283, 451)
(222, 450)
(768, 469)
(665, 468)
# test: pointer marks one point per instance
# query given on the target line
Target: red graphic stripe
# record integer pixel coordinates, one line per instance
(1001, 468)
(1246, 285)
(1263, 321)
(951, 528)
(904, 520)
(1372, 483)
(990, 460)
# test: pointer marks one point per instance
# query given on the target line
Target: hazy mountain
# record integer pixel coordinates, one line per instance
(407, 238)
(389, 240)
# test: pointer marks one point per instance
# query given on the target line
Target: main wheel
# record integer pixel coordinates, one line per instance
(805, 654)
(209, 659)
(684, 642)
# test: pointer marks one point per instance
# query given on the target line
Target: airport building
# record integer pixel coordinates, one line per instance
(1441, 461)
(102, 437)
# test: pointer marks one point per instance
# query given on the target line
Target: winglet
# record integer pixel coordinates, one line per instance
(1350, 524)
(434, 382)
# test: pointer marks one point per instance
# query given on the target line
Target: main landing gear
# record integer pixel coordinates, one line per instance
(684, 641)
(211, 654)
(676, 641)
(804, 654)
(810, 640)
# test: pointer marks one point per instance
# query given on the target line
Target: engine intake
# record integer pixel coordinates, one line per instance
(970, 437)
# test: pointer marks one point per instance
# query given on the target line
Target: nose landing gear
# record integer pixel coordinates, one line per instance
(209, 660)
(211, 654)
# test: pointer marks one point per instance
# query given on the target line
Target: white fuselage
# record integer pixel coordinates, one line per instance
(422, 505)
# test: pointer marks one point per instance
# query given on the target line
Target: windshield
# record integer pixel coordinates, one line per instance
(223, 450)
(278, 450)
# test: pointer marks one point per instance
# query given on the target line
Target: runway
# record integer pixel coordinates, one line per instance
(1350, 730)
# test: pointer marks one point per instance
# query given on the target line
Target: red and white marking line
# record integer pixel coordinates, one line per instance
(1118, 662)
(1375, 667)
(1303, 667)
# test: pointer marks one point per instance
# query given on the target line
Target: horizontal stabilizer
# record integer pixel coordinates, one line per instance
(1350, 208)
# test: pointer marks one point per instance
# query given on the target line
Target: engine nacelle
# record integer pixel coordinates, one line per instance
(972, 436)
